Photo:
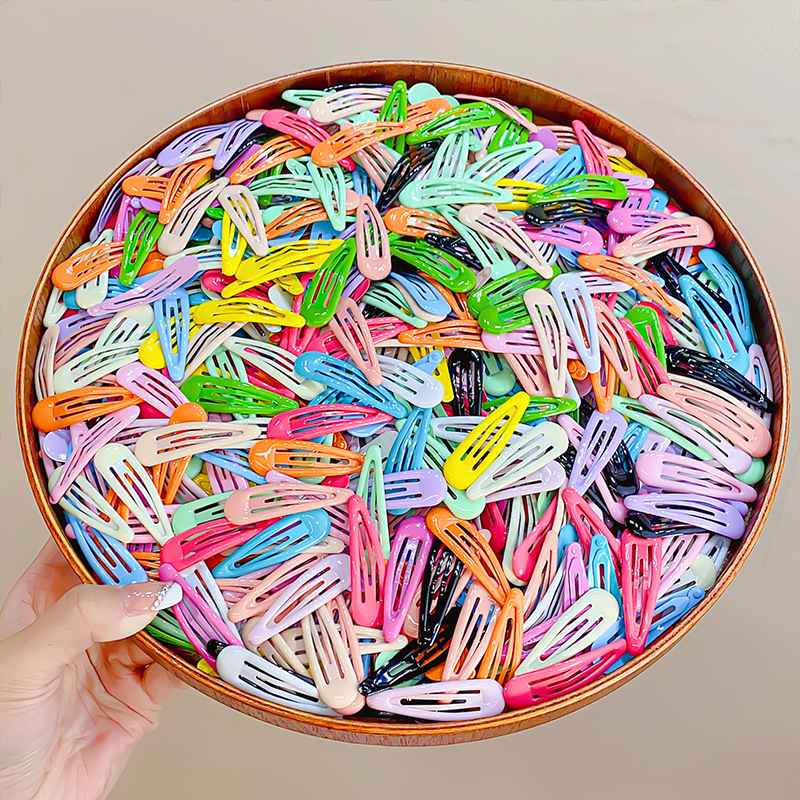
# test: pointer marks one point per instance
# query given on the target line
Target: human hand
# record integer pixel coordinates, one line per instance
(74, 701)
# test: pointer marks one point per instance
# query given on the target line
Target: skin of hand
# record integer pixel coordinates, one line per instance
(74, 699)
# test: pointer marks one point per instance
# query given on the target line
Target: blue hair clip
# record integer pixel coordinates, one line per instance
(408, 447)
(235, 461)
(732, 289)
(601, 569)
(422, 293)
(566, 536)
(634, 438)
(278, 542)
(720, 336)
(109, 559)
(658, 200)
(363, 184)
(568, 164)
(338, 374)
(172, 324)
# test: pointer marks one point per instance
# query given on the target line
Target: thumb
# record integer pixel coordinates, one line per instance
(84, 615)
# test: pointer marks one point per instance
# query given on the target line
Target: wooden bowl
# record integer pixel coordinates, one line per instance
(550, 105)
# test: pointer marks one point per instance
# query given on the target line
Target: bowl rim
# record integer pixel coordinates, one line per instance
(357, 729)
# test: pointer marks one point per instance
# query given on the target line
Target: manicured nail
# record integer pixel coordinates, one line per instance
(140, 598)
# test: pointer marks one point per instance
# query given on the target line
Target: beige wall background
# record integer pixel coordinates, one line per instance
(714, 82)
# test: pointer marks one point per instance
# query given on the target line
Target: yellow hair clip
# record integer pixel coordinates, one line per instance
(484, 443)
(245, 309)
(232, 244)
(520, 190)
(441, 373)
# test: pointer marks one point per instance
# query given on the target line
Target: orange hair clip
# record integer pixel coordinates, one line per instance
(450, 333)
(153, 263)
(78, 405)
(604, 384)
(87, 264)
(466, 542)
(456, 300)
(417, 222)
(171, 472)
(149, 186)
(640, 280)
(303, 459)
(305, 213)
(273, 152)
(183, 181)
(350, 140)
(577, 369)
(504, 653)
(422, 112)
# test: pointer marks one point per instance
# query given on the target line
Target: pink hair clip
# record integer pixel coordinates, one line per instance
(350, 327)
(616, 347)
(595, 156)
(313, 422)
(665, 235)
(280, 498)
(587, 523)
(304, 130)
(367, 566)
(373, 257)
(641, 576)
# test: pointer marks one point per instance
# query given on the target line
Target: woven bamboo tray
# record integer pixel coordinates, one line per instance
(549, 105)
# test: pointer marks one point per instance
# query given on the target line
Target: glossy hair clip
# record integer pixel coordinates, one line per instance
(739, 424)
(521, 459)
(641, 575)
(558, 212)
(334, 657)
(497, 228)
(275, 544)
(350, 328)
(230, 396)
(177, 233)
(179, 440)
(706, 513)
(406, 169)
(466, 374)
(322, 582)
(413, 489)
(601, 438)
(730, 286)
(313, 422)
(86, 264)
(279, 498)
(79, 405)
(602, 571)
(463, 117)
(439, 581)
(531, 688)
(246, 309)
(483, 446)
(348, 141)
(616, 348)
(442, 701)
(344, 377)
(133, 485)
(347, 101)
(473, 631)
(435, 192)
(84, 501)
(576, 628)
(407, 560)
(577, 310)
(253, 674)
(580, 187)
(372, 241)
(367, 565)
(595, 156)
(301, 459)
(551, 334)
(300, 128)
(432, 260)
(111, 561)
(417, 223)
(708, 369)
(665, 235)
(464, 540)
(587, 522)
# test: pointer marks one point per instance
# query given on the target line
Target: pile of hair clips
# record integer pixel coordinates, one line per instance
(426, 410)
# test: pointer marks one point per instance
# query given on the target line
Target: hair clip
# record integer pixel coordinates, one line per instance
(476, 453)
(177, 233)
(242, 209)
(372, 241)
(616, 349)
(442, 701)
(732, 289)
(347, 102)
(435, 262)
(367, 565)
(459, 118)
(140, 240)
(451, 191)
(187, 144)
(602, 570)
(595, 156)
(350, 140)
(522, 461)
(301, 459)
(587, 523)
(315, 421)
(133, 485)
(85, 264)
(579, 187)
(724, 414)
(229, 396)
(280, 498)
(575, 236)
(344, 377)
(405, 170)
(577, 310)
(351, 329)
(665, 235)
(705, 513)
(708, 369)
(641, 575)
(79, 405)
(601, 438)
(439, 581)
(557, 212)
(85, 502)
(330, 185)
(320, 583)
(497, 228)
(417, 223)
(245, 309)
(573, 631)
(407, 449)
(468, 545)
(500, 163)
(413, 488)
(531, 688)
(404, 573)
(627, 221)
(576, 581)
(466, 374)
(172, 324)
(551, 335)
(299, 128)
(175, 441)
(183, 181)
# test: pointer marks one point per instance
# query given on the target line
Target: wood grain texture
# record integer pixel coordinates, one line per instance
(548, 104)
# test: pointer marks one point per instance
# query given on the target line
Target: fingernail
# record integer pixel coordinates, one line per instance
(141, 598)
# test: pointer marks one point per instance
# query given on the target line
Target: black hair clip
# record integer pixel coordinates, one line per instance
(703, 367)
(414, 660)
(650, 527)
(405, 170)
(439, 583)
(557, 212)
(619, 473)
(455, 246)
(466, 375)
(670, 270)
